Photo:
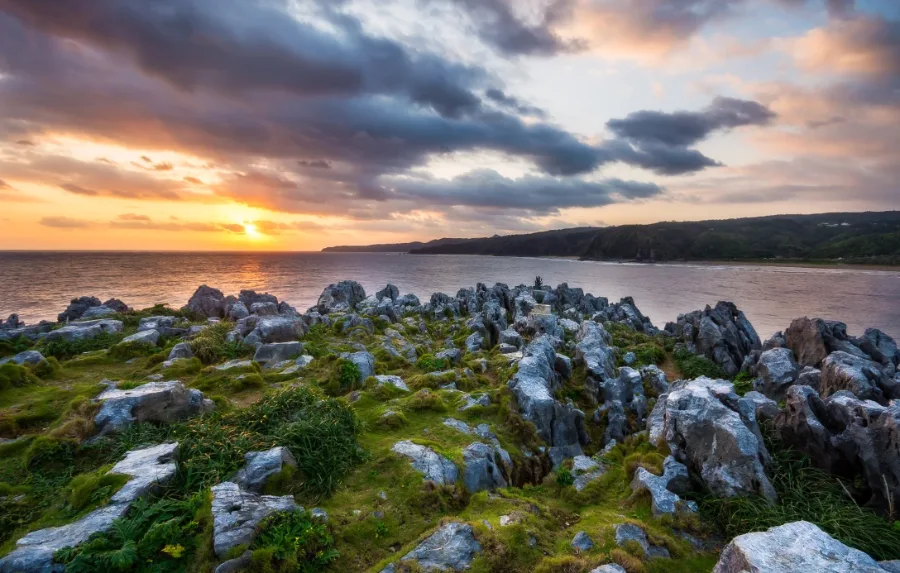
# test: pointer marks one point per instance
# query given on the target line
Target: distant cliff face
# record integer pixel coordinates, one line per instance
(850, 237)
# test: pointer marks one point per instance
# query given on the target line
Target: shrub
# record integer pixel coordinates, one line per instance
(743, 383)
(14, 346)
(426, 400)
(348, 374)
(15, 375)
(211, 345)
(64, 349)
(45, 452)
(428, 363)
(564, 477)
(129, 350)
(293, 541)
(649, 353)
(693, 366)
(93, 489)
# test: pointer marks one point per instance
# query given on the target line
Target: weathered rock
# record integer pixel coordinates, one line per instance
(790, 548)
(766, 408)
(207, 301)
(811, 377)
(181, 350)
(390, 292)
(627, 532)
(582, 542)
(482, 400)
(238, 513)
(237, 311)
(655, 378)
(484, 468)
(450, 548)
(260, 466)
(85, 330)
(722, 334)
(164, 402)
(594, 351)
(77, 307)
(399, 347)
(28, 357)
(148, 469)
(709, 428)
(97, 312)
(664, 489)
(585, 470)
(145, 337)
(511, 337)
(364, 361)
(434, 467)
(394, 381)
(880, 347)
(474, 342)
(457, 425)
(777, 371)
(264, 309)
(452, 356)
(276, 352)
(235, 364)
(864, 378)
(271, 329)
(812, 340)
(608, 568)
(340, 297)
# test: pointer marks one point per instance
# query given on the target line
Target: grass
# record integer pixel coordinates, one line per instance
(64, 349)
(211, 345)
(293, 541)
(693, 366)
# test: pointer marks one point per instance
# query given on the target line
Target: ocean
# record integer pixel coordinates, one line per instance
(39, 285)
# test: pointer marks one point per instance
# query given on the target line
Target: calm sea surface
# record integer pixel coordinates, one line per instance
(39, 285)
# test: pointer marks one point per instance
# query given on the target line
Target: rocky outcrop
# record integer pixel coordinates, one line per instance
(624, 406)
(90, 307)
(585, 470)
(626, 312)
(450, 548)
(163, 402)
(26, 358)
(143, 337)
(340, 297)
(206, 301)
(629, 533)
(715, 433)
(664, 489)
(85, 330)
(845, 436)
(593, 349)
(269, 329)
(864, 378)
(181, 350)
(560, 425)
(238, 513)
(364, 361)
(276, 352)
(424, 460)
(399, 347)
(721, 333)
(484, 468)
(260, 466)
(777, 371)
(148, 469)
(790, 548)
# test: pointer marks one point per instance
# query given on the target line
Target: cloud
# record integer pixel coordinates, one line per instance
(277, 227)
(868, 45)
(77, 189)
(142, 223)
(5, 185)
(192, 180)
(65, 223)
(133, 217)
(315, 163)
(234, 228)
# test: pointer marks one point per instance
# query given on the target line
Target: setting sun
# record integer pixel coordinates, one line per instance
(252, 231)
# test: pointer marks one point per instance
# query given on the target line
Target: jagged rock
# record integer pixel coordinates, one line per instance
(399, 347)
(450, 548)
(235, 365)
(442, 306)
(390, 292)
(626, 532)
(812, 340)
(394, 381)
(664, 489)
(164, 402)
(238, 513)
(585, 470)
(340, 297)
(33, 332)
(524, 303)
(236, 565)
(582, 542)
(354, 321)
(608, 568)
(85, 330)
(77, 307)
(264, 309)
(626, 312)
(511, 337)
(563, 366)
(594, 351)
(474, 342)
(271, 329)
(28, 357)
(712, 430)
(862, 377)
(147, 337)
(260, 466)
(181, 350)
(483, 471)
(629, 358)
(97, 312)
(722, 334)
(790, 548)
(539, 323)
(777, 371)
(251, 297)
(276, 352)
(811, 377)
(12, 322)
(776, 341)
(766, 408)
(364, 361)
(880, 347)
(457, 425)
(237, 311)
(846, 437)
(434, 467)
(408, 301)
(207, 301)
(560, 425)
(148, 469)
(452, 356)
(655, 378)
(482, 400)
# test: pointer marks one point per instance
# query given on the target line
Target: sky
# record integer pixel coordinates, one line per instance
(295, 125)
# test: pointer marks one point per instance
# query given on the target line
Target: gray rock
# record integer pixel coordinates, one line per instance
(457, 425)
(147, 337)
(364, 361)
(277, 329)
(264, 309)
(234, 365)
(482, 400)
(655, 378)
(766, 408)
(238, 513)
(892, 566)
(585, 470)
(434, 467)
(85, 330)
(864, 378)
(777, 371)
(568, 325)
(156, 323)
(452, 355)
(394, 381)
(163, 402)
(626, 532)
(792, 547)
(77, 307)
(28, 357)
(662, 489)
(181, 350)
(511, 337)
(399, 347)
(260, 466)
(452, 547)
(594, 351)
(811, 377)
(276, 352)
(319, 513)
(474, 342)
(880, 347)
(207, 301)
(504, 348)
(236, 565)
(582, 542)
(97, 312)
(340, 297)
(812, 340)
(721, 333)
(712, 430)
(238, 310)
(390, 292)
(609, 568)
(148, 469)
(484, 471)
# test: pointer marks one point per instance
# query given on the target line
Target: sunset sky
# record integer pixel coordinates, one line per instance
(294, 125)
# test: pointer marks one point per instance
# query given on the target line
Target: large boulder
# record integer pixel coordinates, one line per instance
(250, 297)
(721, 333)
(389, 292)
(364, 361)
(862, 377)
(793, 547)
(271, 329)
(260, 466)
(777, 371)
(715, 433)
(450, 548)
(426, 461)
(163, 402)
(26, 358)
(276, 352)
(77, 307)
(237, 514)
(484, 468)
(340, 297)
(207, 301)
(593, 349)
(880, 347)
(85, 330)
(148, 469)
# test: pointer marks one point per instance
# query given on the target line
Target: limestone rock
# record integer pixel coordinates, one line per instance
(207, 301)
(276, 352)
(609, 568)
(85, 330)
(792, 547)
(594, 351)
(394, 381)
(777, 371)
(181, 350)
(582, 542)
(483, 471)
(164, 402)
(340, 297)
(237, 515)
(260, 466)
(864, 378)
(146, 337)
(434, 467)
(585, 470)
(721, 333)
(276, 329)
(364, 361)
(450, 548)
(663, 489)
(26, 358)
(627, 532)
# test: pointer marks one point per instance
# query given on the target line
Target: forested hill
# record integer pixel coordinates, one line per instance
(391, 247)
(850, 237)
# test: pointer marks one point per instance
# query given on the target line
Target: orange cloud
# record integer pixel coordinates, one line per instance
(860, 45)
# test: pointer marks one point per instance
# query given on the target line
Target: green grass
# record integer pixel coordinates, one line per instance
(211, 346)
(64, 349)
(693, 366)
(293, 541)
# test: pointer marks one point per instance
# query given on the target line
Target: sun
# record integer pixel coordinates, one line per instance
(251, 231)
